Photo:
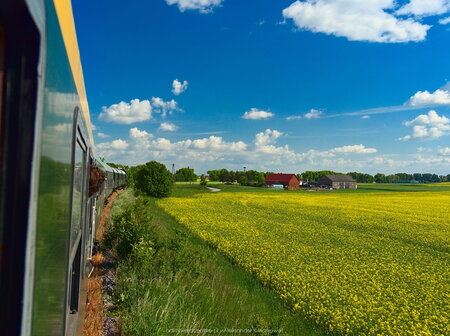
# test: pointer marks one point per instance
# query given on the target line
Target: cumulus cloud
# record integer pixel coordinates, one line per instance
(427, 127)
(167, 126)
(203, 6)
(425, 8)
(143, 146)
(118, 144)
(444, 151)
(425, 98)
(127, 113)
(267, 137)
(135, 134)
(256, 114)
(356, 20)
(103, 135)
(313, 114)
(365, 117)
(164, 107)
(445, 21)
(179, 87)
(354, 149)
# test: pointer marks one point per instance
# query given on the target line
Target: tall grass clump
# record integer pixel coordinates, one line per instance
(128, 229)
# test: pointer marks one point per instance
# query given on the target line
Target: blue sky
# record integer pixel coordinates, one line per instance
(285, 86)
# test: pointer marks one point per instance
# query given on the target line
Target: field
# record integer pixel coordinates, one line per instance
(368, 262)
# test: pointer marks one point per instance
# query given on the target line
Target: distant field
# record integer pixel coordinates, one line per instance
(373, 261)
(404, 187)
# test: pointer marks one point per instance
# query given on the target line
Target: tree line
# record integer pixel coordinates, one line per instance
(312, 176)
(155, 179)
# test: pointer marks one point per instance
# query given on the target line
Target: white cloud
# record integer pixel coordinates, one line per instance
(167, 126)
(422, 149)
(369, 20)
(268, 137)
(430, 119)
(425, 7)
(425, 98)
(365, 117)
(444, 151)
(118, 144)
(103, 135)
(127, 113)
(164, 107)
(354, 149)
(294, 117)
(135, 134)
(203, 6)
(428, 127)
(445, 21)
(178, 87)
(313, 114)
(256, 114)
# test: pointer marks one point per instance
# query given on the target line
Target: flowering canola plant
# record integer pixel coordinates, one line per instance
(357, 263)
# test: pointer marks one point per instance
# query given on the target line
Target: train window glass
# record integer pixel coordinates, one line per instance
(2, 58)
(78, 187)
(2, 71)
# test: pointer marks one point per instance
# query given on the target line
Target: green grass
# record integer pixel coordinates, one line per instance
(185, 190)
(172, 280)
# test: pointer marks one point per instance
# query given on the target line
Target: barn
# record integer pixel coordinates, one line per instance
(288, 181)
(337, 182)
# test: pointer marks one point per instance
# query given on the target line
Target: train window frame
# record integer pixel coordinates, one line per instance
(75, 249)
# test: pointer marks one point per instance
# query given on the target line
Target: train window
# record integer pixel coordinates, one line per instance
(2, 58)
(77, 193)
(2, 71)
(19, 59)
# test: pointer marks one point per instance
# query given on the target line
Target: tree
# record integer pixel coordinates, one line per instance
(203, 181)
(243, 180)
(153, 179)
(213, 175)
(185, 175)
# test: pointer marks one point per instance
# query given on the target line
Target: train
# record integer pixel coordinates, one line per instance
(52, 184)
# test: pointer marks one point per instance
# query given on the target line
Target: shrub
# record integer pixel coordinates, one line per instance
(128, 229)
(154, 179)
(203, 181)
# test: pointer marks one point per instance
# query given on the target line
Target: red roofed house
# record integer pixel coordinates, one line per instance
(288, 181)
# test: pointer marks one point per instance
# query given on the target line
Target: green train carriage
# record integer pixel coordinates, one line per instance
(48, 208)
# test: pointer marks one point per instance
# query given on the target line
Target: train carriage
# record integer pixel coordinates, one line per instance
(50, 202)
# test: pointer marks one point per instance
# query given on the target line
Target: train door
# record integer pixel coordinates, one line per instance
(77, 226)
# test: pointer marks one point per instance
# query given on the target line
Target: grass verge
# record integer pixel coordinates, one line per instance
(170, 282)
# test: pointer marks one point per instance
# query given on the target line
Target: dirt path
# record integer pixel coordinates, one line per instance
(213, 189)
(95, 317)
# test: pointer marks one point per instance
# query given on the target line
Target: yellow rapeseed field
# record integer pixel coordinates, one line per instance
(358, 263)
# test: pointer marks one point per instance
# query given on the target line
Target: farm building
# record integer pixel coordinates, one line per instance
(288, 181)
(337, 182)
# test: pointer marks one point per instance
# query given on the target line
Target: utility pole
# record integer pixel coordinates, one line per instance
(173, 168)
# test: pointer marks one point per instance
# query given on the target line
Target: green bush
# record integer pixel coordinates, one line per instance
(203, 181)
(127, 229)
(154, 179)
